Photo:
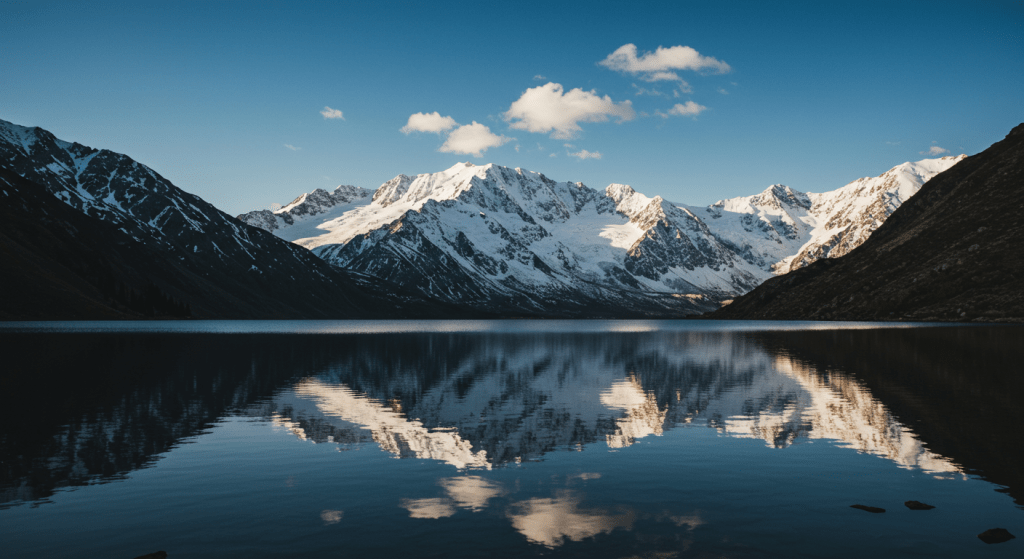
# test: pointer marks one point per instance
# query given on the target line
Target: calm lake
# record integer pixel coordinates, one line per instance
(655, 439)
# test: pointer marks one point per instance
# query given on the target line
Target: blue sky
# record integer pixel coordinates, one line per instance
(216, 95)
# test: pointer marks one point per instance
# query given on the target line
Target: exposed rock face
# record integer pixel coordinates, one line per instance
(952, 252)
(305, 206)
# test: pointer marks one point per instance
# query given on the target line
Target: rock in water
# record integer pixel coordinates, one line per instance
(917, 505)
(869, 509)
(996, 535)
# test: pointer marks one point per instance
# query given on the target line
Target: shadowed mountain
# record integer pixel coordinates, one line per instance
(952, 252)
(92, 234)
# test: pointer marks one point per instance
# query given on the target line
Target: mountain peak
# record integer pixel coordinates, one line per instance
(778, 195)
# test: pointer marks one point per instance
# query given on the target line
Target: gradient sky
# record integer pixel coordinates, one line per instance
(227, 99)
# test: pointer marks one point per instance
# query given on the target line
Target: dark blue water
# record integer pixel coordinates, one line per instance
(508, 439)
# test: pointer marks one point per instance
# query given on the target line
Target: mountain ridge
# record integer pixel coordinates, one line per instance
(951, 253)
(508, 232)
(187, 249)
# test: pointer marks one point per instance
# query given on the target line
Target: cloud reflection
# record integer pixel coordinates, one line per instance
(550, 522)
(471, 492)
(331, 516)
(429, 508)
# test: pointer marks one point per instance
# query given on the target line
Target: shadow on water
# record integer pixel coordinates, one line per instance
(86, 408)
(77, 409)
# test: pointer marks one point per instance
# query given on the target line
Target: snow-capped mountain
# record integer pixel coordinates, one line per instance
(950, 253)
(516, 240)
(511, 238)
(309, 205)
(802, 228)
(218, 265)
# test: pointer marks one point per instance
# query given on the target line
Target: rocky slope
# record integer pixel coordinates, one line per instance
(952, 252)
(129, 232)
(510, 239)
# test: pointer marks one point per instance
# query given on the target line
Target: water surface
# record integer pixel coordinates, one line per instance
(508, 438)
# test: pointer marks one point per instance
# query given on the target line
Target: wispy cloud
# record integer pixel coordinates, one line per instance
(644, 91)
(473, 139)
(683, 109)
(291, 147)
(429, 122)
(934, 150)
(332, 114)
(584, 154)
(723, 91)
(548, 108)
(662, 64)
(539, 77)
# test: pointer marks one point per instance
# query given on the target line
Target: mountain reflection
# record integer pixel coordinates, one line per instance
(81, 409)
(498, 400)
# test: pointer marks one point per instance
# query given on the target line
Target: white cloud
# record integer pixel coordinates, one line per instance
(291, 147)
(584, 154)
(429, 122)
(659, 65)
(472, 139)
(934, 150)
(723, 91)
(539, 77)
(661, 77)
(683, 109)
(546, 108)
(553, 155)
(332, 113)
(645, 91)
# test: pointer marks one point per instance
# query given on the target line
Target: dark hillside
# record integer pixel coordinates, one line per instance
(953, 252)
(57, 263)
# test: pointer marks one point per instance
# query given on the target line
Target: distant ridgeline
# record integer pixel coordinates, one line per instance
(90, 233)
(952, 253)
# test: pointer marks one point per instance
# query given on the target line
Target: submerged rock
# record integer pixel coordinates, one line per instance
(996, 535)
(917, 505)
(867, 508)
